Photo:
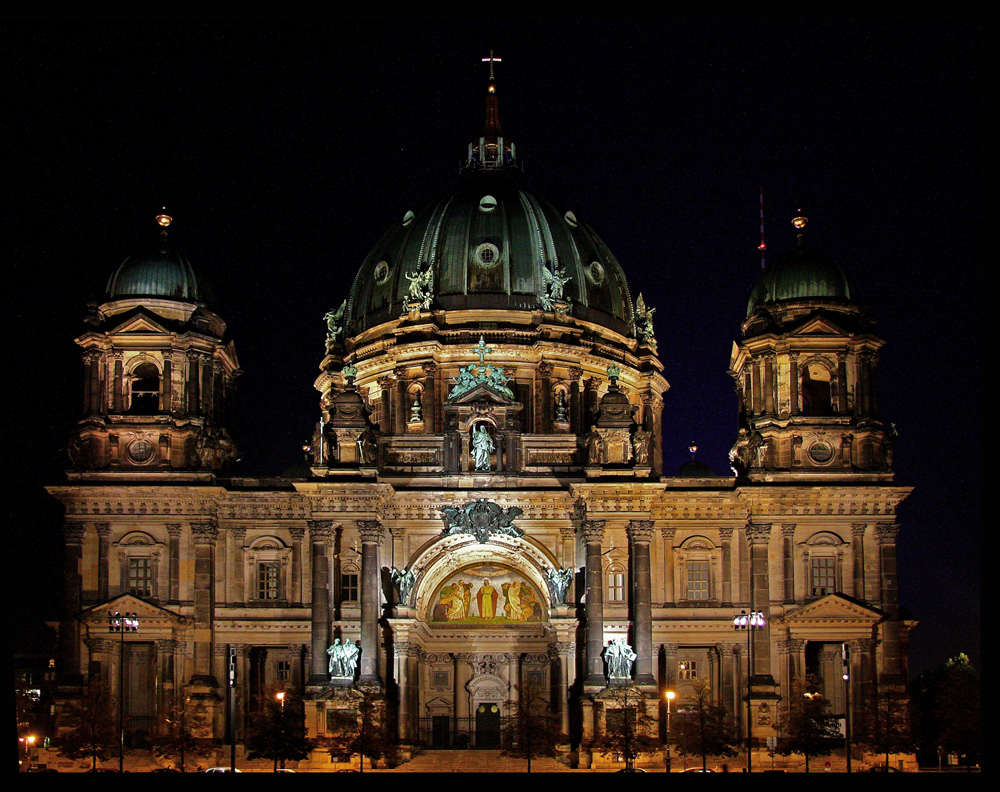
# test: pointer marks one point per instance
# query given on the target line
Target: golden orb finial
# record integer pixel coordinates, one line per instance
(163, 218)
(800, 220)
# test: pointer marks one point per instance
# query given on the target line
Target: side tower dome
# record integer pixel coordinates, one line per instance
(492, 286)
(805, 373)
(157, 371)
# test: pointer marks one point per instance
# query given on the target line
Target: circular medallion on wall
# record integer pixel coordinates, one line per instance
(821, 452)
(141, 451)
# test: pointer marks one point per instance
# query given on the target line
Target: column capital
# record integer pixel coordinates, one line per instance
(204, 533)
(593, 530)
(103, 529)
(320, 531)
(759, 533)
(725, 534)
(297, 532)
(371, 532)
(73, 532)
(640, 531)
(886, 533)
(858, 530)
(174, 529)
(788, 529)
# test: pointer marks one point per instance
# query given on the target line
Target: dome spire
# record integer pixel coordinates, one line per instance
(492, 152)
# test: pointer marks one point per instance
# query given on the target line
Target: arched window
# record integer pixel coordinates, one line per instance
(823, 561)
(268, 559)
(144, 390)
(616, 582)
(817, 390)
(139, 555)
(697, 561)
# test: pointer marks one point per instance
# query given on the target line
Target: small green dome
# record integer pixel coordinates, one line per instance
(157, 270)
(803, 274)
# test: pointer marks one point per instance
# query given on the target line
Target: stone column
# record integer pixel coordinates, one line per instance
(590, 401)
(729, 686)
(193, 398)
(118, 384)
(432, 406)
(463, 671)
(173, 562)
(858, 555)
(656, 441)
(205, 536)
(69, 629)
(769, 406)
(385, 404)
(564, 654)
(669, 564)
(757, 400)
(726, 595)
(759, 536)
(788, 561)
(793, 383)
(103, 559)
(842, 383)
(165, 390)
(320, 537)
(407, 663)
(892, 655)
(575, 402)
(237, 593)
(543, 398)
(399, 402)
(593, 531)
(371, 539)
(873, 385)
(295, 589)
(641, 533)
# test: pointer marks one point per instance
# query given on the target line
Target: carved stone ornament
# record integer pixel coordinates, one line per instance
(482, 518)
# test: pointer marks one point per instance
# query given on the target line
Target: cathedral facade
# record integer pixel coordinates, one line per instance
(486, 511)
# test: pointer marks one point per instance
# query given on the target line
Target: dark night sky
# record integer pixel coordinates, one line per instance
(284, 151)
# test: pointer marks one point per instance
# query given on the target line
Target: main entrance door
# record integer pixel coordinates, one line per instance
(488, 726)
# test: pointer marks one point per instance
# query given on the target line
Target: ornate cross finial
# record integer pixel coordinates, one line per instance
(491, 60)
(482, 350)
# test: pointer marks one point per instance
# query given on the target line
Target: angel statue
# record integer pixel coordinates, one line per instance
(421, 287)
(555, 279)
(644, 320)
(335, 323)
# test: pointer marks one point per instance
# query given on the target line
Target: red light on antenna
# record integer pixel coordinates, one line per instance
(761, 246)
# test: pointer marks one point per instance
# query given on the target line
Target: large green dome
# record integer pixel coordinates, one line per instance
(491, 244)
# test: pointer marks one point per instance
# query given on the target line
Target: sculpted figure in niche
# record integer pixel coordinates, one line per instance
(482, 447)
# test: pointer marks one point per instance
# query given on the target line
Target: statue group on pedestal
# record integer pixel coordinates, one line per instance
(619, 657)
(343, 659)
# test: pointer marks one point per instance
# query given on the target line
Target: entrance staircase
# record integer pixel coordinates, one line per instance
(473, 761)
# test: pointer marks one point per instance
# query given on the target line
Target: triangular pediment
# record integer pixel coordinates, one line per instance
(834, 614)
(818, 324)
(140, 323)
(482, 391)
(148, 613)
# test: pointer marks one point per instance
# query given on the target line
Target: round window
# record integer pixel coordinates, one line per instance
(595, 273)
(382, 271)
(487, 203)
(487, 254)
(141, 451)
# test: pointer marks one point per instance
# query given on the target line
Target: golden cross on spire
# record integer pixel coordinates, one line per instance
(492, 60)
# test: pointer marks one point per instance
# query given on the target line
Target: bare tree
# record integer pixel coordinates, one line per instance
(809, 729)
(278, 731)
(703, 726)
(360, 728)
(92, 727)
(186, 732)
(628, 730)
(530, 729)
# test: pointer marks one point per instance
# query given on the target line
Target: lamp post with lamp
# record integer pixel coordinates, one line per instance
(669, 696)
(754, 620)
(121, 624)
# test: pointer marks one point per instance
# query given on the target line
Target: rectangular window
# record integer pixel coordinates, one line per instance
(824, 576)
(687, 669)
(284, 670)
(349, 587)
(697, 580)
(268, 579)
(140, 577)
(616, 585)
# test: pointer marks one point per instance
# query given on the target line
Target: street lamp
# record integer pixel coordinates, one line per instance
(121, 624)
(669, 696)
(749, 622)
(280, 696)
